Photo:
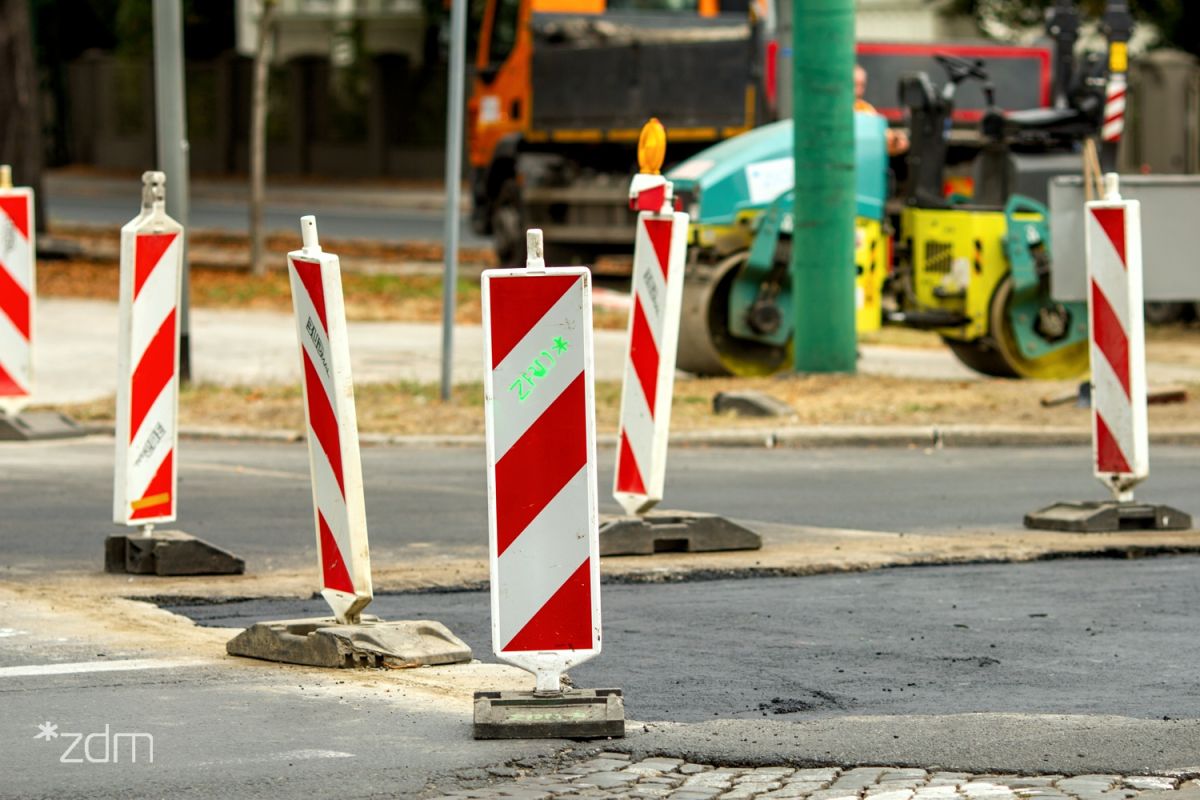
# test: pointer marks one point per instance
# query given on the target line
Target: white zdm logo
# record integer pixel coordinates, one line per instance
(102, 747)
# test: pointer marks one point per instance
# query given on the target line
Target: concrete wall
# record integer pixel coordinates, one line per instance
(908, 21)
(1162, 120)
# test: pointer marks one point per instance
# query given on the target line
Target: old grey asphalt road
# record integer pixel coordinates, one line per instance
(254, 498)
(342, 215)
(201, 728)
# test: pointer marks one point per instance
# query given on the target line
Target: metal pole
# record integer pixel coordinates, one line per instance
(1062, 24)
(258, 137)
(823, 271)
(172, 141)
(454, 145)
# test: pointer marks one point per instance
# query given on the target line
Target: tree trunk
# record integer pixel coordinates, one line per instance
(20, 110)
(258, 138)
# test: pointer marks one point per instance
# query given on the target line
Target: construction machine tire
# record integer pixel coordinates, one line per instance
(1061, 364)
(1164, 313)
(508, 232)
(705, 345)
(982, 356)
(508, 225)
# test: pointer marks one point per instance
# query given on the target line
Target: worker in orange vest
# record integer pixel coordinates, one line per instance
(897, 140)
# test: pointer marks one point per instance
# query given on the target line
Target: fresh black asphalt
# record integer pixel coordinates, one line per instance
(1090, 636)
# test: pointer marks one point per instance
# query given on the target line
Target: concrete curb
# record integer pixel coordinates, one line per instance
(904, 436)
(233, 257)
(796, 437)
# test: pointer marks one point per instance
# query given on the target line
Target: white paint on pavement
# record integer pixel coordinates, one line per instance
(82, 667)
(288, 755)
(242, 469)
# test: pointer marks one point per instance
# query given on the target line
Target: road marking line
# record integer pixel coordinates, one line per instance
(290, 755)
(7, 632)
(239, 469)
(80, 667)
(481, 491)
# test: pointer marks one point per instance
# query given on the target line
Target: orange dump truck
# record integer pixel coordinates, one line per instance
(562, 89)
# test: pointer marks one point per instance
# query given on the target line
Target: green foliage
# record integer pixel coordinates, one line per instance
(1177, 20)
(134, 28)
(1013, 13)
(66, 28)
(63, 30)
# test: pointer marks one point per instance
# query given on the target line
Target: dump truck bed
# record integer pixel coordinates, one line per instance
(613, 72)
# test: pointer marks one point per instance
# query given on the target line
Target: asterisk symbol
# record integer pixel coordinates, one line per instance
(560, 345)
(47, 730)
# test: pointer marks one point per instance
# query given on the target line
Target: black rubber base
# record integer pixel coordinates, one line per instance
(371, 642)
(33, 425)
(673, 532)
(573, 714)
(1108, 517)
(168, 553)
(750, 404)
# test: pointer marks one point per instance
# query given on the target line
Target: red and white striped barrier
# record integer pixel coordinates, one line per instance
(660, 253)
(541, 466)
(339, 511)
(17, 293)
(1114, 109)
(659, 256)
(144, 491)
(147, 433)
(1120, 437)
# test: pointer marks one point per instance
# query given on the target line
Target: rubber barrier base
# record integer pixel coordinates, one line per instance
(1108, 517)
(673, 532)
(168, 553)
(572, 714)
(750, 404)
(323, 642)
(33, 425)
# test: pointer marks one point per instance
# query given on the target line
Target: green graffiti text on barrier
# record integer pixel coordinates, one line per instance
(524, 385)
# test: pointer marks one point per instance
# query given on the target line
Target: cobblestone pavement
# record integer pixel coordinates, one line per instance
(613, 775)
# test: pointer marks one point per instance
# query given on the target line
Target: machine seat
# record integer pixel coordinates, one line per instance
(917, 92)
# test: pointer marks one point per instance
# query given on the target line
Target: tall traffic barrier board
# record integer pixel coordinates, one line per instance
(659, 261)
(18, 284)
(349, 638)
(145, 482)
(339, 511)
(1120, 432)
(541, 466)
(541, 475)
(1120, 428)
(148, 368)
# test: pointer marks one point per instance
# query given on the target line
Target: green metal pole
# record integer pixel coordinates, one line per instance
(823, 271)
